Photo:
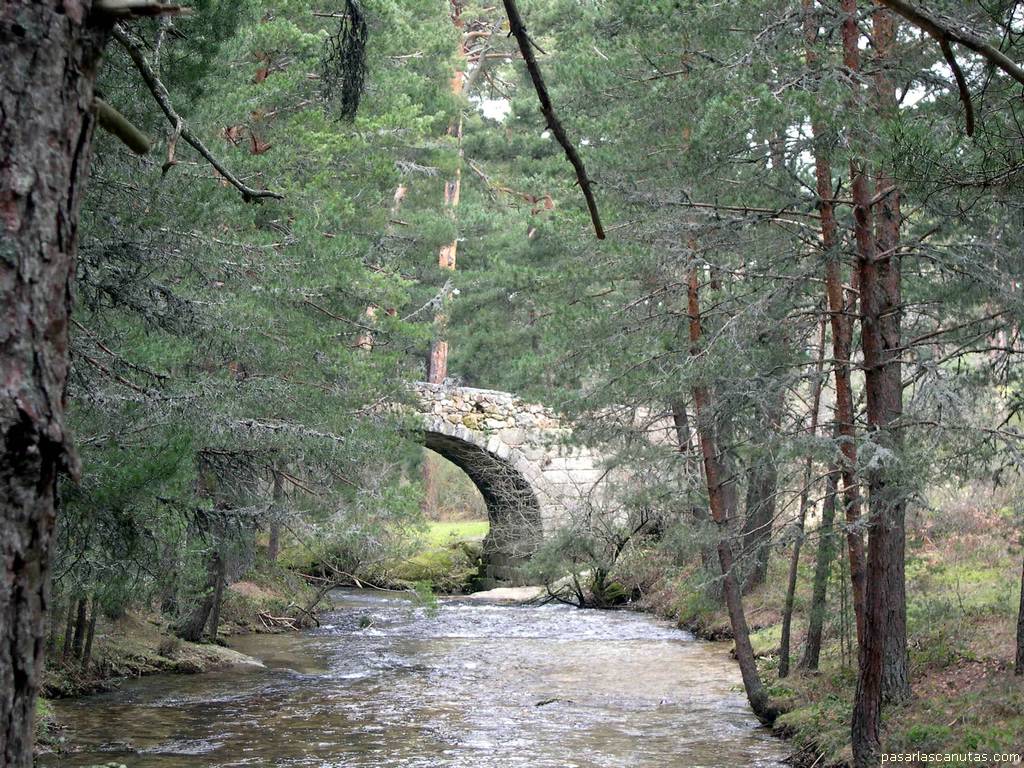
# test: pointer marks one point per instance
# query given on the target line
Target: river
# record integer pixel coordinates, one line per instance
(389, 685)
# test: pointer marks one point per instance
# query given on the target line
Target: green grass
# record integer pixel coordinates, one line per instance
(440, 534)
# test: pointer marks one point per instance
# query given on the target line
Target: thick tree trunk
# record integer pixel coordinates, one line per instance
(722, 502)
(888, 370)
(50, 53)
(865, 728)
(81, 621)
(822, 566)
(90, 633)
(794, 562)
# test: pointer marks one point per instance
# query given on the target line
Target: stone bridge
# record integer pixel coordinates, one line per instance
(518, 456)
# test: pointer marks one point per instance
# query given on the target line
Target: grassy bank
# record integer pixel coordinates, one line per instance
(447, 558)
(963, 593)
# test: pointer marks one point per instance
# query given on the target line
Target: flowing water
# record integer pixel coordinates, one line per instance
(472, 686)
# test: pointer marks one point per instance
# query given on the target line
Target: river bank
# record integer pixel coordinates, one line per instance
(962, 612)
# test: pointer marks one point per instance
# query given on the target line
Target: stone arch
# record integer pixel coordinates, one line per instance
(508, 483)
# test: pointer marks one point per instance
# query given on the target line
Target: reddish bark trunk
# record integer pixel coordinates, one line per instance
(888, 405)
(50, 53)
(879, 304)
(722, 502)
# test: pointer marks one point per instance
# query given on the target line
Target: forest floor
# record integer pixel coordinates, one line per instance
(963, 592)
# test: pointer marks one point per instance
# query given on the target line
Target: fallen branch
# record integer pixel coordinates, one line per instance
(159, 91)
(526, 46)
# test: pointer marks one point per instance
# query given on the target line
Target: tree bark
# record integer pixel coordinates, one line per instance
(794, 562)
(50, 52)
(722, 503)
(880, 342)
(888, 369)
(822, 565)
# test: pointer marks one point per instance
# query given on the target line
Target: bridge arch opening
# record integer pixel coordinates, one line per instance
(513, 510)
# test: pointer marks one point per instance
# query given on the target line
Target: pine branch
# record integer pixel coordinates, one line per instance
(526, 46)
(163, 99)
(941, 30)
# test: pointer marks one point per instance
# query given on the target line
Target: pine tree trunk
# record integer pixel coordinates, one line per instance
(865, 729)
(50, 53)
(81, 621)
(90, 633)
(889, 408)
(794, 562)
(822, 566)
(218, 596)
(722, 502)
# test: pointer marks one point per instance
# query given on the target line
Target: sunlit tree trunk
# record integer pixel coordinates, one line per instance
(50, 53)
